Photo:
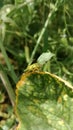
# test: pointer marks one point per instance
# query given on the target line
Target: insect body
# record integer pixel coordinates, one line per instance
(32, 68)
(40, 62)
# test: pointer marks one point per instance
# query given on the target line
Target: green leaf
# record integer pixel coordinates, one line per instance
(44, 102)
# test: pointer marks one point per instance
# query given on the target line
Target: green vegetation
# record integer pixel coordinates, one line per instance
(29, 28)
(43, 101)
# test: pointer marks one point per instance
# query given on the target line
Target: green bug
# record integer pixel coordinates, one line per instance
(33, 67)
(44, 57)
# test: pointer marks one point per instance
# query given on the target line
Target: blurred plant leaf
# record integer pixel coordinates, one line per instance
(44, 102)
(1, 3)
(8, 124)
(15, 19)
(7, 118)
(2, 97)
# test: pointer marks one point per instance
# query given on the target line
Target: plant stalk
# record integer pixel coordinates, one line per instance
(48, 21)
(7, 85)
(10, 68)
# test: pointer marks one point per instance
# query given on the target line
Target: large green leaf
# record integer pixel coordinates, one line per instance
(44, 102)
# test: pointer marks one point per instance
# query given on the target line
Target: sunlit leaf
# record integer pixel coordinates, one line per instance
(44, 102)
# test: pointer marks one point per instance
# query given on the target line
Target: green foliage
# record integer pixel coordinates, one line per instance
(8, 119)
(26, 35)
(44, 101)
(28, 29)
